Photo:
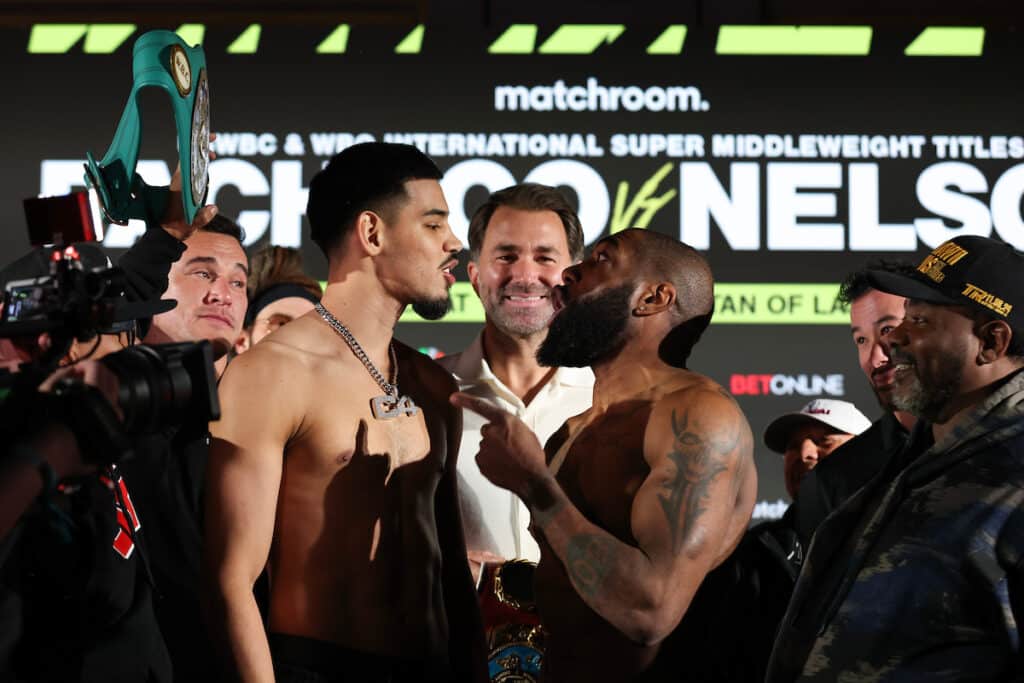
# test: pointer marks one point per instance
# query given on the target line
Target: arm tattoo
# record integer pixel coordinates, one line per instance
(588, 560)
(698, 463)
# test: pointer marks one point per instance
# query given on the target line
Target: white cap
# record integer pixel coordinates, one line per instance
(841, 415)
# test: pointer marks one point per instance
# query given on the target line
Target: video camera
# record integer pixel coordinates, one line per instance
(159, 386)
(71, 292)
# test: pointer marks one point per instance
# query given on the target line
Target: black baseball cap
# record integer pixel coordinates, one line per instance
(978, 272)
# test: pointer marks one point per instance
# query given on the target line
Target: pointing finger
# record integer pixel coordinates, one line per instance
(479, 406)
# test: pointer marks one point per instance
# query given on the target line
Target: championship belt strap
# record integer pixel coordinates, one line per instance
(515, 638)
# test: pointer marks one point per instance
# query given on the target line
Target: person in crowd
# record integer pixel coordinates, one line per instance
(918, 575)
(344, 486)
(208, 282)
(805, 438)
(873, 315)
(279, 292)
(520, 241)
(638, 498)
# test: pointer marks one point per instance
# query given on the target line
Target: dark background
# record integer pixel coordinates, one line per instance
(58, 106)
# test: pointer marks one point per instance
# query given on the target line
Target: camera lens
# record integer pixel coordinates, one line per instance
(164, 385)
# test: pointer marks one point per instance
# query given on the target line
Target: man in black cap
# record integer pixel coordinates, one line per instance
(918, 576)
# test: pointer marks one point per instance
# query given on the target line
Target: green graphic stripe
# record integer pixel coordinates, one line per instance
(794, 40)
(568, 39)
(580, 39)
(192, 34)
(336, 43)
(412, 43)
(736, 303)
(247, 43)
(670, 42)
(103, 39)
(54, 39)
(948, 41)
(518, 39)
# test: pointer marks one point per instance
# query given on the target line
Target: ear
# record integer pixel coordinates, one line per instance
(474, 275)
(242, 343)
(655, 299)
(995, 336)
(368, 231)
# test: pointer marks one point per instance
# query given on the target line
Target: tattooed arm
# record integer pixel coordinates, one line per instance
(684, 516)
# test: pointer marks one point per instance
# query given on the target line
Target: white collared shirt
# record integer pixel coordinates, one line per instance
(504, 517)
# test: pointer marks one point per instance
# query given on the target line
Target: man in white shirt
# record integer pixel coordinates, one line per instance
(520, 241)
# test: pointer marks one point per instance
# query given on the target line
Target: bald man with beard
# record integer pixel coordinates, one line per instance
(638, 498)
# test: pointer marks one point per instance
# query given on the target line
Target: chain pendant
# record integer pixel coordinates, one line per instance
(389, 407)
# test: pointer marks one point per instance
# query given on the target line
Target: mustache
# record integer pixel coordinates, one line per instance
(897, 357)
(883, 368)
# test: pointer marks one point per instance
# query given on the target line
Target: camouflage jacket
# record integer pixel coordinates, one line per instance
(920, 575)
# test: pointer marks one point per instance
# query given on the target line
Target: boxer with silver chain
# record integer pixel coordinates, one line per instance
(347, 494)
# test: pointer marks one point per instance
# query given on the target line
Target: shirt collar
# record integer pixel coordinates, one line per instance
(472, 368)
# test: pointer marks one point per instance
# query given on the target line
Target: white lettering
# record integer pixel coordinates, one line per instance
(737, 213)
(786, 204)
(934, 195)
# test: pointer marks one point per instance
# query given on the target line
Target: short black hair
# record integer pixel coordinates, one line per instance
(222, 225)
(367, 177)
(527, 197)
(856, 284)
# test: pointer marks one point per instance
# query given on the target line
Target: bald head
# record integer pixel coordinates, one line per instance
(666, 259)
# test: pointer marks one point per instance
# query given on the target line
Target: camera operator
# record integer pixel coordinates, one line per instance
(75, 592)
(34, 462)
(169, 467)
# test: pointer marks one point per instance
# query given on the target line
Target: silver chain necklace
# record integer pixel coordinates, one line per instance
(391, 404)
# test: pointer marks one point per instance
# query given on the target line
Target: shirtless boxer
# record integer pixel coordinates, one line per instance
(646, 492)
(338, 475)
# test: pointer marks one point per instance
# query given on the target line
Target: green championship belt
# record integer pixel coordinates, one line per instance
(161, 59)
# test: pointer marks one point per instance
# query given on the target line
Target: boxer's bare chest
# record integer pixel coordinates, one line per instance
(604, 465)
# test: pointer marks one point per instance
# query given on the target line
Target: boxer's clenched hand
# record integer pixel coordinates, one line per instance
(510, 454)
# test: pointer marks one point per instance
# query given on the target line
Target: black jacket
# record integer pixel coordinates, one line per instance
(76, 596)
(167, 482)
(844, 472)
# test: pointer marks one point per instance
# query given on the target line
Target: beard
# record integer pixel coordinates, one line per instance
(527, 323)
(927, 392)
(432, 309)
(884, 398)
(588, 330)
